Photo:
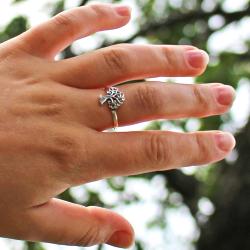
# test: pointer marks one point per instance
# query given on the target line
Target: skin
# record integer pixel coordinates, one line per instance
(51, 124)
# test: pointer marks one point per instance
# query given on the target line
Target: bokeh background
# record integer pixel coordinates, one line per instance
(203, 208)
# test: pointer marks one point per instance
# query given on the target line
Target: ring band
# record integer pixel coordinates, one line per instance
(114, 99)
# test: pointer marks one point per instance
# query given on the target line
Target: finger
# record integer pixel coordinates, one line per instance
(49, 38)
(150, 101)
(128, 62)
(133, 153)
(65, 223)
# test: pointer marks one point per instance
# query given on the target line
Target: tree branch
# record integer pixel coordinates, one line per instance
(187, 186)
(229, 227)
(181, 18)
(84, 2)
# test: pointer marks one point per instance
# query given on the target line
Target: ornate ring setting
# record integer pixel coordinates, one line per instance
(114, 99)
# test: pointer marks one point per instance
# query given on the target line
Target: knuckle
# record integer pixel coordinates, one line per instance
(170, 58)
(116, 58)
(201, 100)
(66, 20)
(149, 98)
(46, 97)
(89, 238)
(96, 233)
(65, 151)
(43, 94)
(27, 110)
(63, 19)
(189, 47)
(52, 110)
(71, 157)
(100, 10)
(205, 154)
(38, 100)
(157, 150)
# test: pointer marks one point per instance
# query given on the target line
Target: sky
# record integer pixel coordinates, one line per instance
(230, 39)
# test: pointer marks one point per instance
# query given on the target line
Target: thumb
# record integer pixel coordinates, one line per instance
(66, 223)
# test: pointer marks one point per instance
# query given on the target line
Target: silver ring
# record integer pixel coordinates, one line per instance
(114, 99)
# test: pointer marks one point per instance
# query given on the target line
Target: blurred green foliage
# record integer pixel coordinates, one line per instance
(14, 28)
(186, 22)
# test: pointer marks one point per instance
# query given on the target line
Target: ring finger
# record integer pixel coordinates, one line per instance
(153, 100)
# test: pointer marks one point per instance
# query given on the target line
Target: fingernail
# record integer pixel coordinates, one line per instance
(225, 141)
(224, 94)
(197, 58)
(121, 239)
(123, 10)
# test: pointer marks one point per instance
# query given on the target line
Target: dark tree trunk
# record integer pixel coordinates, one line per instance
(229, 227)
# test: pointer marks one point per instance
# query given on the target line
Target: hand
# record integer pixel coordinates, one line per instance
(51, 123)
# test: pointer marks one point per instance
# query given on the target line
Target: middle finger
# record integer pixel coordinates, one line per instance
(125, 62)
